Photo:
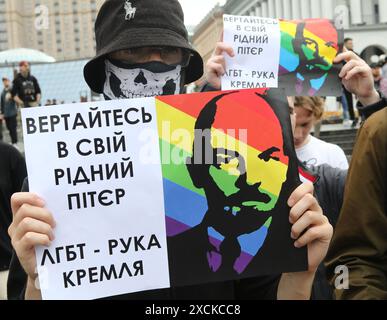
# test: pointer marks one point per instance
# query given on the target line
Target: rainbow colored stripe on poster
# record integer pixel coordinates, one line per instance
(322, 35)
(186, 205)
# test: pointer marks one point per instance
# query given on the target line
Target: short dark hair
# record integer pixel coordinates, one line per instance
(4, 78)
(375, 65)
(347, 39)
(23, 63)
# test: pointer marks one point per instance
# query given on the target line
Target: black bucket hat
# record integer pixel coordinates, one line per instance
(124, 24)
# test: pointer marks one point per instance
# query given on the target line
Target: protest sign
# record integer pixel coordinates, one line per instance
(162, 192)
(83, 160)
(296, 55)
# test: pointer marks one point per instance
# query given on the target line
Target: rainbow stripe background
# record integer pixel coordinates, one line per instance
(320, 30)
(185, 204)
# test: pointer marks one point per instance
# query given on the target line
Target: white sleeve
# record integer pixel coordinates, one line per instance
(340, 159)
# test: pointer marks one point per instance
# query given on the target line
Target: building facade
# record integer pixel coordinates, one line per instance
(363, 20)
(63, 29)
(207, 34)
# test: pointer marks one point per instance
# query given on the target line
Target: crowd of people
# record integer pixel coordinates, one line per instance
(351, 204)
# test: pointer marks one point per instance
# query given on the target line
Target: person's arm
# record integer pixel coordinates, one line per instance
(310, 228)
(19, 171)
(368, 111)
(329, 190)
(15, 93)
(360, 242)
(257, 288)
(341, 159)
(2, 104)
(37, 91)
(295, 286)
(216, 65)
(32, 225)
(38, 98)
(18, 101)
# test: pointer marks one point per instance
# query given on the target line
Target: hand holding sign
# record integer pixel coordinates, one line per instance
(216, 65)
(310, 227)
(32, 225)
(357, 77)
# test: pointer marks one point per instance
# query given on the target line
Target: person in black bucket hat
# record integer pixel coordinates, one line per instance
(142, 50)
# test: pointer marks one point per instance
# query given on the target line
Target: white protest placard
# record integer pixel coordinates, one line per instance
(257, 44)
(85, 161)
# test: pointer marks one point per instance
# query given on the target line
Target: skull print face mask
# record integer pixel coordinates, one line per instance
(149, 79)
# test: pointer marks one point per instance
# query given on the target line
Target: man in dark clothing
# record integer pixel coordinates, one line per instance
(9, 111)
(25, 89)
(12, 173)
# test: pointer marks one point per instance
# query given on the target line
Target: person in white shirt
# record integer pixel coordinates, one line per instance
(310, 150)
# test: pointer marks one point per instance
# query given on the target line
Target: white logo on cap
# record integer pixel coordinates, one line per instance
(130, 11)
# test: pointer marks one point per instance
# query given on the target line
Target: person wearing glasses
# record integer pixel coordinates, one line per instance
(145, 55)
(143, 51)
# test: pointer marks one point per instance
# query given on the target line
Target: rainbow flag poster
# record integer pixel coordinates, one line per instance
(163, 192)
(295, 55)
(228, 166)
(308, 48)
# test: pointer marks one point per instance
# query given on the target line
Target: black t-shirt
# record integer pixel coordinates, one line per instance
(12, 173)
(26, 88)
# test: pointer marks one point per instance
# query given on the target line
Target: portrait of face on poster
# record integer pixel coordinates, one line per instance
(295, 55)
(225, 205)
(163, 192)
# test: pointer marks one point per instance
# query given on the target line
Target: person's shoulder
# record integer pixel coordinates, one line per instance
(378, 119)
(17, 78)
(9, 150)
(334, 154)
(316, 142)
(376, 124)
(327, 173)
(5, 147)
